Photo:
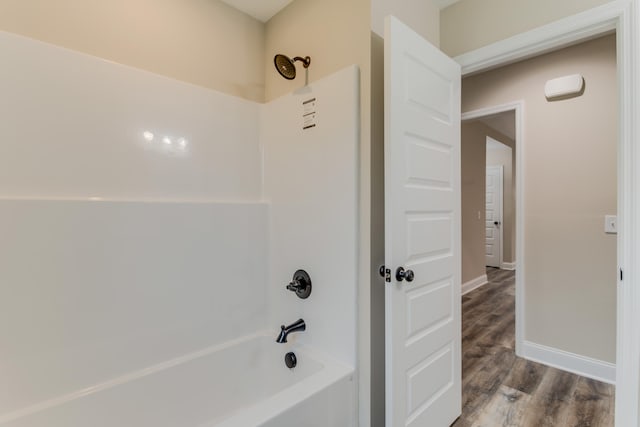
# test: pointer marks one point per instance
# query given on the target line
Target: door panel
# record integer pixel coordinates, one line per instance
(422, 229)
(493, 215)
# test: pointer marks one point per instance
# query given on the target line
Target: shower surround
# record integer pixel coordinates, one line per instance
(148, 230)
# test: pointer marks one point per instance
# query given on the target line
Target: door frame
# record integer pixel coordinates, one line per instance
(501, 211)
(623, 16)
(518, 108)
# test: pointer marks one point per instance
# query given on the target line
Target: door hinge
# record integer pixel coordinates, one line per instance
(385, 273)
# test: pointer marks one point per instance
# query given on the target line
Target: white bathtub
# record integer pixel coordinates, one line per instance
(244, 383)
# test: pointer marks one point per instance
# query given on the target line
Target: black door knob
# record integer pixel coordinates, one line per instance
(402, 274)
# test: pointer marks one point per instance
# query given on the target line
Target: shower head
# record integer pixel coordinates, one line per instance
(286, 66)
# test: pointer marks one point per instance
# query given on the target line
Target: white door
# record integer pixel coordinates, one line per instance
(422, 231)
(493, 217)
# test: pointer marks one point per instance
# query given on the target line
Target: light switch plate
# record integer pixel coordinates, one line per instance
(611, 224)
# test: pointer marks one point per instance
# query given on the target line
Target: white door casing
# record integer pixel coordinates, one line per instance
(422, 231)
(493, 216)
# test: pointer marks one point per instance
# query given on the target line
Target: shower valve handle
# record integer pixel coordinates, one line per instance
(300, 284)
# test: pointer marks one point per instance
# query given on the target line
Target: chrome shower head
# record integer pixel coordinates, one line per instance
(286, 66)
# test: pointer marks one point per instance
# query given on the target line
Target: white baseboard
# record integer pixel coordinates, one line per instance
(508, 266)
(570, 362)
(474, 283)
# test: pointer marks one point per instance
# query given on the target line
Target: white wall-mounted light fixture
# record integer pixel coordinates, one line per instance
(564, 87)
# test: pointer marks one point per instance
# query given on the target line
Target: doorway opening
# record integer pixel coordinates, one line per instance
(571, 261)
(488, 157)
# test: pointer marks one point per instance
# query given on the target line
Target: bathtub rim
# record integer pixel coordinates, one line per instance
(330, 369)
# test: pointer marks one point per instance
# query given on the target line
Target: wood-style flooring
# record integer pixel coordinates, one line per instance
(500, 389)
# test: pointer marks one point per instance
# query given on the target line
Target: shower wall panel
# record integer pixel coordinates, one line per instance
(91, 291)
(131, 227)
(78, 126)
(310, 141)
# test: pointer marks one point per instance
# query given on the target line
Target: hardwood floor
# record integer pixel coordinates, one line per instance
(500, 389)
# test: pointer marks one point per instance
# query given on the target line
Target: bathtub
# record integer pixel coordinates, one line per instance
(243, 383)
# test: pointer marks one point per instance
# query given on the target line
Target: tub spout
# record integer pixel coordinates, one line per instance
(286, 330)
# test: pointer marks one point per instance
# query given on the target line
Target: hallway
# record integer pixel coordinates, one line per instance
(500, 389)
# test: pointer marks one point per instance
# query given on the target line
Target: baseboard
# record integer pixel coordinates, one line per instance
(474, 284)
(570, 362)
(508, 266)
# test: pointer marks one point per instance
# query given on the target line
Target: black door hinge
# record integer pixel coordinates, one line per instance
(385, 273)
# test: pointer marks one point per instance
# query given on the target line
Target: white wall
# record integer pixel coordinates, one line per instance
(169, 259)
(118, 253)
(311, 182)
(336, 34)
(96, 290)
(73, 124)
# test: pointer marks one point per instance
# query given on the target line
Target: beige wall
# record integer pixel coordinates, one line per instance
(474, 159)
(570, 175)
(471, 24)
(377, 232)
(421, 15)
(203, 42)
(334, 33)
(473, 154)
(506, 158)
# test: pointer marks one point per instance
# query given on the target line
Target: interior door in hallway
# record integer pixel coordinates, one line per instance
(422, 231)
(493, 217)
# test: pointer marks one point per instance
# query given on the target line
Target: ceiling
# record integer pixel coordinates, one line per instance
(263, 10)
